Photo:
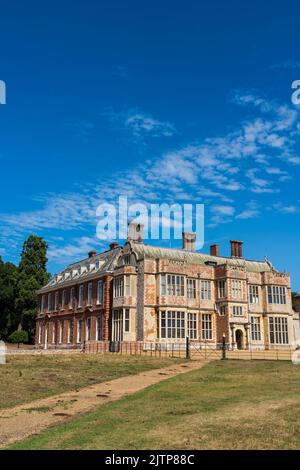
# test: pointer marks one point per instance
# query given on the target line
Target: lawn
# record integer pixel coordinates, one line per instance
(224, 405)
(27, 377)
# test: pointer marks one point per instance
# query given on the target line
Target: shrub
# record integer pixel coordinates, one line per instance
(19, 336)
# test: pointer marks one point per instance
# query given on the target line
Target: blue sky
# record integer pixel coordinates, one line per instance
(162, 101)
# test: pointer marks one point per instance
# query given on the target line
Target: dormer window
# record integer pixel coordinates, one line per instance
(127, 259)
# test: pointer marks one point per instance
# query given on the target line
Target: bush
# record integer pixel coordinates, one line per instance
(19, 336)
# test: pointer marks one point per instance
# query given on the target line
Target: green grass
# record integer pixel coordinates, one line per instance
(225, 405)
(27, 377)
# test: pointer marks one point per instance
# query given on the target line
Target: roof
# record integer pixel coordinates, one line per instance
(83, 270)
(149, 251)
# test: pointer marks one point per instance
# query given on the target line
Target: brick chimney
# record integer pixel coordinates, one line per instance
(236, 248)
(214, 250)
(92, 253)
(297, 303)
(188, 241)
(135, 232)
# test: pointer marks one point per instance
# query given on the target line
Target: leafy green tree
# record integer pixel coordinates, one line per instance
(32, 276)
(8, 290)
(18, 336)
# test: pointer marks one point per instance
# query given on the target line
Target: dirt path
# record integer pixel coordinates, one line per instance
(24, 420)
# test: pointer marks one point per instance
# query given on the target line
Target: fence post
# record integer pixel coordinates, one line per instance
(223, 347)
(187, 348)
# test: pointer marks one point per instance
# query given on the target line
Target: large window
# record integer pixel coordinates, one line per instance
(127, 320)
(237, 311)
(117, 325)
(127, 285)
(49, 302)
(54, 332)
(40, 332)
(192, 325)
(61, 331)
(162, 284)
(119, 286)
(70, 331)
(207, 332)
(90, 293)
(236, 289)
(222, 289)
(80, 296)
(253, 295)
(88, 329)
(55, 301)
(47, 333)
(278, 327)
(255, 329)
(175, 285)
(98, 331)
(72, 297)
(172, 325)
(205, 291)
(99, 292)
(276, 295)
(79, 331)
(63, 299)
(42, 303)
(191, 288)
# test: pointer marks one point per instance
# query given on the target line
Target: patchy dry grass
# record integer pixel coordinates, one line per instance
(225, 405)
(28, 377)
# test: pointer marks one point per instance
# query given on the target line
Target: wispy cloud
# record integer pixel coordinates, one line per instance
(286, 64)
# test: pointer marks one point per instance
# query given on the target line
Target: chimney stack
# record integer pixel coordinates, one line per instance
(214, 250)
(92, 253)
(236, 249)
(188, 241)
(135, 232)
(297, 303)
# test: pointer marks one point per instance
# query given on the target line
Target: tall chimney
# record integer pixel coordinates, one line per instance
(214, 250)
(135, 232)
(188, 241)
(92, 253)
(297, 303)
(236, 248)
(113, 245)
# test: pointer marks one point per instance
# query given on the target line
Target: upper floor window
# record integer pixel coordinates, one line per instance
(175, 285)
(90, 293)
(80, 296)
(72, 296)
(162, 284)
(99, 292)
(49, 302)
(42, 303)
(222, 289)
(56, 301)
(237, 311)
(119, 286)
(276, 295)
(191, 288)
(222, 311)
(237, 289)
(127, 285)
(127, 259)
(63, 299)
(253, 295)
(205, 290)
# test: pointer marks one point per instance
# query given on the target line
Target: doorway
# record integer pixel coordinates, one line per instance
(239, 338)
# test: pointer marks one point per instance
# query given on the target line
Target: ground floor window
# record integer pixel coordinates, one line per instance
(98, 331)
(79, 331)
(88, 329)
(278, 328)
(192, 323)
(117, 325)
(61, 332)
(255, 329)
(127, 320)
(172, 325)
(40, 332)
(70, 331)
(207, 332)
(54, 332)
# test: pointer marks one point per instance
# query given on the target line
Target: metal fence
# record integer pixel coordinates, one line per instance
(191, 350)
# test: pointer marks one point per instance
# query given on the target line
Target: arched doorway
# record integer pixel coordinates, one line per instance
(239, 338)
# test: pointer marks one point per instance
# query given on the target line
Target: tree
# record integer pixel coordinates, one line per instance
(18, 336)
(293, 298)
(32, 276)
(8, 290)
